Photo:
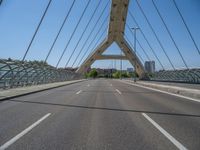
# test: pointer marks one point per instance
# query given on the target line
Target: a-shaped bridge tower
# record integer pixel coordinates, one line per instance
(116, 29)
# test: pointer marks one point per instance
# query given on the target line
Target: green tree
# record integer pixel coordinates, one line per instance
(117, 74)
(93, 73)
(125, 74)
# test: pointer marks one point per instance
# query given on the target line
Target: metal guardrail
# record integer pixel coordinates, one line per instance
(184, 75)
(17, 73)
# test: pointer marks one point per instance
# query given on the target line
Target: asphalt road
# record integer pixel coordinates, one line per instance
(99, 114)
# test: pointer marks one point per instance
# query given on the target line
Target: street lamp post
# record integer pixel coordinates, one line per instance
(135, 30)
(121, 67)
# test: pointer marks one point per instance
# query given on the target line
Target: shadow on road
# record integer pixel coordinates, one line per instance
(124, 92)
(108, 109)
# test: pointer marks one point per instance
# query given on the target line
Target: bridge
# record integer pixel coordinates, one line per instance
(103, 74)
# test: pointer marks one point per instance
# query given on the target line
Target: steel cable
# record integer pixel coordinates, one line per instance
(186, 26)
(151, 27)
(170, 34)
(73, 32)
(94, 38)
(68, 12)
(139, 43)
(86, 27)
(133, 46)
(89, 35)
(41, 20)
(148, 43)
(95, 45)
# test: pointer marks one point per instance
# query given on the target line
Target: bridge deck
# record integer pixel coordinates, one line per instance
(100, 114)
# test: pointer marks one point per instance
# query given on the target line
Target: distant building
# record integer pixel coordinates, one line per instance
(105, 71)
(149, 66)
(130, 70)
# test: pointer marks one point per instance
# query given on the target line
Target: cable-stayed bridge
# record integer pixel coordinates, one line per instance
(109, 21)
(48, 46)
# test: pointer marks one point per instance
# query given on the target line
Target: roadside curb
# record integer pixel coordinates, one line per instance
(192, 93)
(176, 90)
(40, 90)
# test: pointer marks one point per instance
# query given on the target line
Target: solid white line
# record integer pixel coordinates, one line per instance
(18, 136)
(79, 92)
(181, 96)
(118, 91)
(165, 133)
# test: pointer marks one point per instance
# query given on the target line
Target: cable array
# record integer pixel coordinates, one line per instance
(81, 17)
(170, 34)
(32, 39)
(89, 44)
(91, 32)
(100, 29)
(186, 26)
(145, 38)
(156, 36)
(64, 21)
(86, 27)
(138, 43)
(129, 41)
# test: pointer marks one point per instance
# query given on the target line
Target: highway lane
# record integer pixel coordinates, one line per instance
(100, 114)
(16, 115)
(181, 117)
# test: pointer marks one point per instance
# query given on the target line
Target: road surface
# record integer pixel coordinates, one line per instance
(99, 114)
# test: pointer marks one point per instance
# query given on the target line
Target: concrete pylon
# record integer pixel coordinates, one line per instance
(116, 29)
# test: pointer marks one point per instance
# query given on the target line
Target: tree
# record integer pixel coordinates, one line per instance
(117, 74)
(93, 73)
(125, 75)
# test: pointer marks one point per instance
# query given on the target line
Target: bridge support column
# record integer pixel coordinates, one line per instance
(118, 16)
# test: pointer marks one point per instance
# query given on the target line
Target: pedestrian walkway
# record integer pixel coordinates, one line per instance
(15, 92)
(189, 90)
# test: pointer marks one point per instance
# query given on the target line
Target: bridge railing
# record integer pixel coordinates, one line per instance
(183, 75)
(17, 73)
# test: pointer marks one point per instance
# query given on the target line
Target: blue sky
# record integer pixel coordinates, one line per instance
(19, 19)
